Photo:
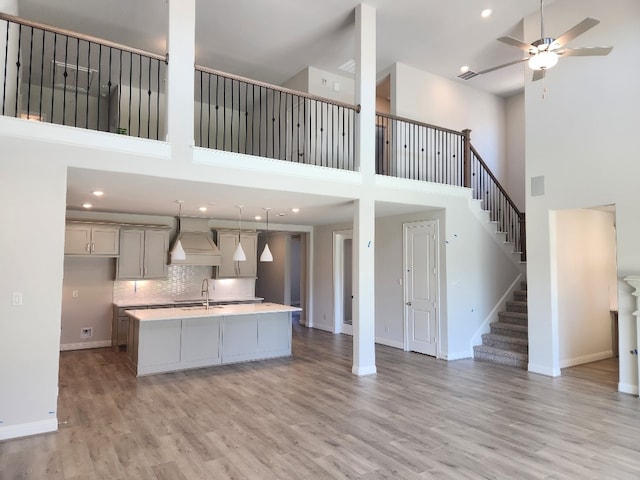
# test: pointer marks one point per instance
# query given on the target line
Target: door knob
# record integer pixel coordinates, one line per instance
(409, 304)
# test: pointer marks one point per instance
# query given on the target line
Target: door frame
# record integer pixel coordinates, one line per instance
(339, 236)
(405, 293)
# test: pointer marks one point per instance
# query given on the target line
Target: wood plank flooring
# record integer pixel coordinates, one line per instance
(308, 417)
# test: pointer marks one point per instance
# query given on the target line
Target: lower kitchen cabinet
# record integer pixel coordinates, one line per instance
(200, 343)
(240, 338)
(159, 345)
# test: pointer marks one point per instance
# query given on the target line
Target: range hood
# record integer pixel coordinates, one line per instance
(197, 242)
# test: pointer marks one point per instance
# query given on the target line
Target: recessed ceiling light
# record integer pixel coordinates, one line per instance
(203, 209)
(464, 68)
(87, 205)
(98, 193)
(281, 214)
(258, 217)
(486, 13)
(295, 210)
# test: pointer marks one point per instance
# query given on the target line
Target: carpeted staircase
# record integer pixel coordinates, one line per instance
(508, 344)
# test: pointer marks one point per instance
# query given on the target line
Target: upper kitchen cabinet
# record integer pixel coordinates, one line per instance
(227, 243)
(143, 254)
(91, 239)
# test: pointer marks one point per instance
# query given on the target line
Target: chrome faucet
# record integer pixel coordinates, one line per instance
(205, 292)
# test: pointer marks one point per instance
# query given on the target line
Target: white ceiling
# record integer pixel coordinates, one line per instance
(271, 41)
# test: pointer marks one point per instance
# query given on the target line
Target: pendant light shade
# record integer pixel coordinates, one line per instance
(177, 252)
(239, 255)
(266, 253)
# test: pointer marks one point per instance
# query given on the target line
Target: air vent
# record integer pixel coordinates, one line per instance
(349, 66)
(78, 78)
(467, 75)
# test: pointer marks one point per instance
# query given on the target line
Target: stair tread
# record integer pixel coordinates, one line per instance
(522, 303)
(522, 315)
(504, 338)
(511, 326)
(500, 352)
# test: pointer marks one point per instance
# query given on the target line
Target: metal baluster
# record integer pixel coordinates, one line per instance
(75, 112)
(86, 117)
(6, 74)
(149, 92)
(30, 69)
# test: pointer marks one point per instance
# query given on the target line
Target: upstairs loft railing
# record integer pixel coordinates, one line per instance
(241, 115)
(57, 76)
(419, 151)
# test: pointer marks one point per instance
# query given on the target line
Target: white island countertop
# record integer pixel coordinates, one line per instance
(138, 302)
(213, 311)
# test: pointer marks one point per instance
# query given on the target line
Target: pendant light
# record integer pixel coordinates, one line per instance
(238, 255)
(266, 253)
(177, 252)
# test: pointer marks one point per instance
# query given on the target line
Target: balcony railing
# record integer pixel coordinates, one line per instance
(57, 76)
(240, 115)
(419, 151)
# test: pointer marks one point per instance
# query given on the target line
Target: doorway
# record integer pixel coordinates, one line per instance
(421, 310)
(343, 281)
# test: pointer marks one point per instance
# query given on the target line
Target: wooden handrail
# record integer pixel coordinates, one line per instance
(420, 124)
(258, 83)
(80, 36)
(495, 180)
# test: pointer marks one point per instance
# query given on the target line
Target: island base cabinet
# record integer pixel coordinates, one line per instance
(158, 346)
(200, 342)
(255, 337)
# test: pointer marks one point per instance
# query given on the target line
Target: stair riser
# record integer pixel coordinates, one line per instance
(512, 347)
(506, 318)
(511, 362)
(497, 330)
(520, 296)
(516, 307)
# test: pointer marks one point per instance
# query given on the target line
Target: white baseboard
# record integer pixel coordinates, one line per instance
(326, 328)
(546, 371)
(592, 357)
(456, 355)
(390, 343)
(362, 371)
(628, 388)
(84, 345)
(27, 429)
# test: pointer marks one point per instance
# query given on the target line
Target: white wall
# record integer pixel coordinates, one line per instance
(582, 139)
(435, 100)
(586, 277)
(515, 138)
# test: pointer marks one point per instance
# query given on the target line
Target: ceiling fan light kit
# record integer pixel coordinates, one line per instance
(544, 53)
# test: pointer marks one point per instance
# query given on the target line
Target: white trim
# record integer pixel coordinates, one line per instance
(84, 345)
(541, 370)
(339, 236)
(457, 356)
(628, 388)
(476, 339)
(361, 371)
(26, 429)
(323, 327)
(593, 357)
(390, 343)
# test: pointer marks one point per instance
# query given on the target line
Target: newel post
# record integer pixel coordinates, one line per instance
(523, 236)
(466, 138)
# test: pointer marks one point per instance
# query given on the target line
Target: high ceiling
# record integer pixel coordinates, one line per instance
(272, 40)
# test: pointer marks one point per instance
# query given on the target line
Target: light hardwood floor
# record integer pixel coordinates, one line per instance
(308, 417)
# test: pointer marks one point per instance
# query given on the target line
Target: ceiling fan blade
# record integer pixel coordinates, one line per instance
(503, 66)
(573, 32)
(514, 42)
(538, 75)
(585, 51)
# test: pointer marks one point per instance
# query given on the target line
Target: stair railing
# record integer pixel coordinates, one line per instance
(495, 199)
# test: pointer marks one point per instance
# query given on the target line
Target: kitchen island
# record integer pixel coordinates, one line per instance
(171, 339)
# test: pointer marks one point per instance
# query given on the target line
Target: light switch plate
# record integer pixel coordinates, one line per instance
(16, 299)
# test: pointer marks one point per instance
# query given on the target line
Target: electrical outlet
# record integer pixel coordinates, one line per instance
(16, 299)
(86, 332)
(74, 293)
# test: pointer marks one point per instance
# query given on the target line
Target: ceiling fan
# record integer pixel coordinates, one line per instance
(544, 53)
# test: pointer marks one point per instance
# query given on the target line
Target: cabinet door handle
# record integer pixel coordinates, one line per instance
(93, 247)
(88, 247)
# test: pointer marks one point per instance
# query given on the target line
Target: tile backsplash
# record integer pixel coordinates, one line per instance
(183, 281)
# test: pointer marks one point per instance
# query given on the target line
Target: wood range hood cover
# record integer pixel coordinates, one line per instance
(197, 242)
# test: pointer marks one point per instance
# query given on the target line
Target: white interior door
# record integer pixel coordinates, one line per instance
(421, 287)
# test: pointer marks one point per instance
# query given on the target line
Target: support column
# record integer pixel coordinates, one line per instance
(9, 84)
(364, 335)
(180, 83)
(366, 89)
